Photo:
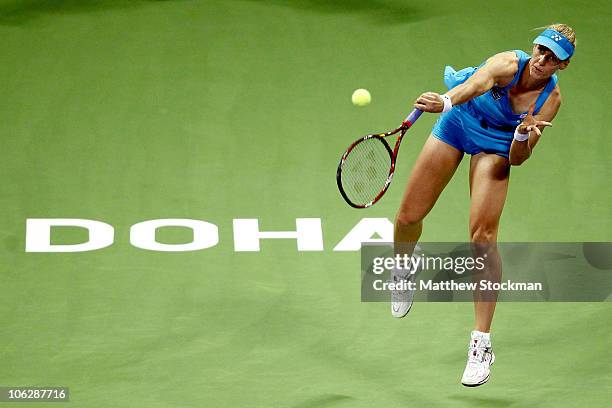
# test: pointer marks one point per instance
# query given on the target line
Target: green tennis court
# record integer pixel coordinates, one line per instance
(128, 111)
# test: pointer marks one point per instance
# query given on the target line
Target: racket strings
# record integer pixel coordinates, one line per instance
(365, 171)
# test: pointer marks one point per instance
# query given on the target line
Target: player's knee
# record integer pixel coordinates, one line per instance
(407, 219)
(483, 233)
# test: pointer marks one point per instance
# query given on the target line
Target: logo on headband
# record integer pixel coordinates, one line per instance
(556, 37)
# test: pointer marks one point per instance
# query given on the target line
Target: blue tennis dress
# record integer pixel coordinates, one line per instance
(487, 122)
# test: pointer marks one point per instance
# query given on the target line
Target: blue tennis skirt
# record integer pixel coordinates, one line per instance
(460, 129)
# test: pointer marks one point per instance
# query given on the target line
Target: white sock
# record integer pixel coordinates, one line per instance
(485, 336)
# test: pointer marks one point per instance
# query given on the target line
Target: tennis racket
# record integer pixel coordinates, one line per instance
(367, 166)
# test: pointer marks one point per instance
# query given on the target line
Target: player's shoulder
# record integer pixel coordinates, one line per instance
(552, 104)
(556, 91)
(507, 56)
(503, 66)
(506, 61)
(555, 95)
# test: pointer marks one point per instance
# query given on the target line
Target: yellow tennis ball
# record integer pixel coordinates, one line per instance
(361, 97)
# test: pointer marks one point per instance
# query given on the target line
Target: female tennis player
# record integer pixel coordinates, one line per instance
(496, 113)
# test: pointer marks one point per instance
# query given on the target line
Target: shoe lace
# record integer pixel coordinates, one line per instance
(397, 294)
(477, 352)
(405, 276)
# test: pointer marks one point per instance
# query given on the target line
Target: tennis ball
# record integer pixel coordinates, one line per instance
(361, 97)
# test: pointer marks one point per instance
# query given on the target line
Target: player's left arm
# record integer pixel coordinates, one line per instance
(521, 151)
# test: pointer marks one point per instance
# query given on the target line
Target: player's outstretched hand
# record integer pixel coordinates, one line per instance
(530, 124)
(430, 102)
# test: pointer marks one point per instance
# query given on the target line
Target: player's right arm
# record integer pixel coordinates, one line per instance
(498, 70)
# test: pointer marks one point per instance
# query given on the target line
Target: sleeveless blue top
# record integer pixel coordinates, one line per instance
(493, 107)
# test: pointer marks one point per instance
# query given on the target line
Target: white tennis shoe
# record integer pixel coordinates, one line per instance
(480, 360)
(401, 300)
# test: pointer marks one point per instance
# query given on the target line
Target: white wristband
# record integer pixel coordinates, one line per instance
(520, 137)
(448, 105)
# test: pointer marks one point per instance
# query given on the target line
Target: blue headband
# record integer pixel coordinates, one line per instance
(556, 42)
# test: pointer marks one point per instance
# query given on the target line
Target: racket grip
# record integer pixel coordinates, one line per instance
(410, 119)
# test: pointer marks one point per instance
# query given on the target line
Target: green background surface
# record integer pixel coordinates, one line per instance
(125, 111)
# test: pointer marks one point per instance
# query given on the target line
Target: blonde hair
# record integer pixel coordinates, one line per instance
(564, 29)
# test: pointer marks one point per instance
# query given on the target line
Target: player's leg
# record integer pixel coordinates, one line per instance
(432, 171)
(489, 177)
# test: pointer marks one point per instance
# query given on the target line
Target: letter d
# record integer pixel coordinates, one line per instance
(38, 235)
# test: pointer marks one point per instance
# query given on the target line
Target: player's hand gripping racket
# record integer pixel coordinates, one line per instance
(366, 168)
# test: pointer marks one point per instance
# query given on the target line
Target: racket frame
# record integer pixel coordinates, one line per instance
(406, 124)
